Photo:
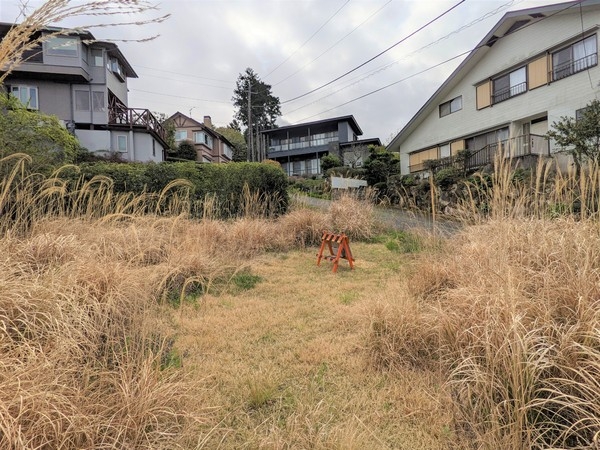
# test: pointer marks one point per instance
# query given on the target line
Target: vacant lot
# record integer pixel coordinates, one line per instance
(146, 332)
(285, 364)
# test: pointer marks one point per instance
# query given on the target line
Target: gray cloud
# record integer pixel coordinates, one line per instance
(205, 44)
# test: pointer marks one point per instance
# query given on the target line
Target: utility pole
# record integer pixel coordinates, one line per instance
(250, 131)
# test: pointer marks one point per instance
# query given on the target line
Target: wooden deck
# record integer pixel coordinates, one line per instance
(137, 118)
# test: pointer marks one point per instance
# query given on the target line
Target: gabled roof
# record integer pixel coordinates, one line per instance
(510, 23)
(349, 118)
(85, 36)
(361, 142)
(182, 119)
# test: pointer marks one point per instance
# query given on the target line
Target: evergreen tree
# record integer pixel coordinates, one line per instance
(240, 148)
(580, 136)
(264, 106)
(186, 150)
(380, 165)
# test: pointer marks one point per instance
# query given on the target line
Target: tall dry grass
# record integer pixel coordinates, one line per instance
(545, 191)
(90, 286)
(508, 310)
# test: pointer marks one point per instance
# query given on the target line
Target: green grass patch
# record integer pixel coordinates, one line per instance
(399, 241)
(244, 281)
(346, 298)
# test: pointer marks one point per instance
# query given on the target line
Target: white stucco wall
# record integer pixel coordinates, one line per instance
(143, 148)
(139, 144)
(557, 99)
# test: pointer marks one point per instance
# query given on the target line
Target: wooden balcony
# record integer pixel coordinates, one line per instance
(137, 119)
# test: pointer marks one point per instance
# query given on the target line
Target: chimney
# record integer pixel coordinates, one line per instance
(208, 122)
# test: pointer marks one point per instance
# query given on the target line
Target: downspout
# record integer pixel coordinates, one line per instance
(132, 145)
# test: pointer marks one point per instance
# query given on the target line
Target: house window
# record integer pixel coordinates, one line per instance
(97, 58)
(28, 95)
(84, 53)
(180, 135)
(122, 143)
(574, 58)
(82, 100)
(451, 106)
(200, 137)
(153, 147)
(509, 85)
(98, 101)
(62, 46)
(116, 68)
(579, 113)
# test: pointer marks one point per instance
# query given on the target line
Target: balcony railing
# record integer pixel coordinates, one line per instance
(303, 144)
(569, 68)
(517, 147)
(509, 92)
(135, 118)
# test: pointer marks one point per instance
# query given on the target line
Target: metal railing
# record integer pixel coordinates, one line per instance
(517, 147)
(302, 172)
(569, 68)
(509, 92)
(136, 118)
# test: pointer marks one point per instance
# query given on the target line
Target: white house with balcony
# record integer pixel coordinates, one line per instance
(535, 66)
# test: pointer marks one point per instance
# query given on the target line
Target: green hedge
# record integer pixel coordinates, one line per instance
(223, 181)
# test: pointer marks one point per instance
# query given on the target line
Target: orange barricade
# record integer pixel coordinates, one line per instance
(335, 254)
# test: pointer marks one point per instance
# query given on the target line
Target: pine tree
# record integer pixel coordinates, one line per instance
(264, 106)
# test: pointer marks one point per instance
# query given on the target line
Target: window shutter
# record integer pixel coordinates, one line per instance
(537, 72)
(484, 95)
(456, 146)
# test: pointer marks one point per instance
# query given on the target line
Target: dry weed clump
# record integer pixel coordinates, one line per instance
(304, 225)
(86, 346)
(353, 216)
(509, 311)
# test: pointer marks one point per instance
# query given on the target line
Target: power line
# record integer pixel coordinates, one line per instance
(184, 74)
(390, 85)
(188, 82)
(354, 81)
(336, 43)
(443, 62)
(378, 55)
(180, 96)
(308, 40)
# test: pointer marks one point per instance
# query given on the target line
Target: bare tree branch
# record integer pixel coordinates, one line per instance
(27, 34)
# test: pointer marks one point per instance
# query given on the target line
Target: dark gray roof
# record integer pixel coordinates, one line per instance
(84, 35)
(349, 118)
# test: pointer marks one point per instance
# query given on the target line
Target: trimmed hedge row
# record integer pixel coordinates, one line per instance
(224, 182)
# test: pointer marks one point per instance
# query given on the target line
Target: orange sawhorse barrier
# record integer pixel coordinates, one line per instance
(341, 252)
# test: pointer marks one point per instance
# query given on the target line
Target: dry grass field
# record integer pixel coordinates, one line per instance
(127, 330)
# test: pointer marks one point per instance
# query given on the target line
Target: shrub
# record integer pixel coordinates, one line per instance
(223, 183)
(445, 178)
(40, 136)
(346, 172)
(330, 161)
(186, 150)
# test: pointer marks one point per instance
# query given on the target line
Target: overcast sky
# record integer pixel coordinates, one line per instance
(297, 46)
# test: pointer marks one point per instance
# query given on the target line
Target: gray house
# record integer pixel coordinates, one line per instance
(83, 82)
(298, 148)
